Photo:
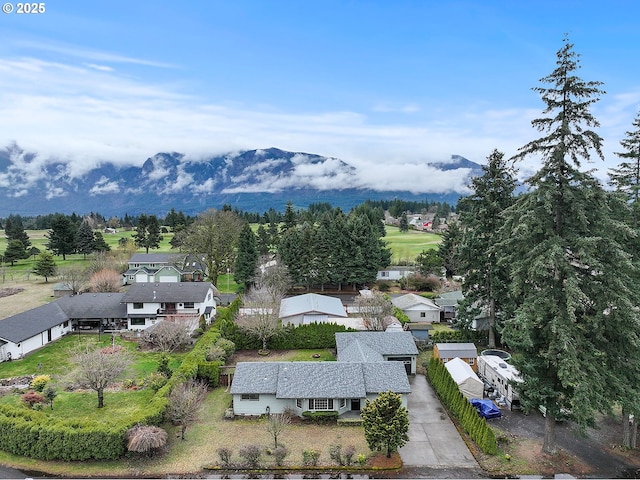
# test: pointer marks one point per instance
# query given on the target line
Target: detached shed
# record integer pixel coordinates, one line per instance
(466, 379)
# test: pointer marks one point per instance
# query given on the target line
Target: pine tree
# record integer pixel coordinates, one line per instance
(486, 281)
(15, 251)
(99, 244)
(386, 423)
(61, 236)
(14, 230)
(448, 249)
(45, 265)
(262, 240)
(290, 220)
(404, 222)
(85, 239)
(574, 325)
(247, 257)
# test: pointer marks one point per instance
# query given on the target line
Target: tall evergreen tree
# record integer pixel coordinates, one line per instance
(626, 180)
(574, 326)
(262, 240)
(62, 236)
(15, 251)
(148, 232)
(404, 222)
(14, 230)
(45, 265)
(85, 239)
(290, 219)
(486, 280)
(448, 249)
(99, 244)
(247, 257)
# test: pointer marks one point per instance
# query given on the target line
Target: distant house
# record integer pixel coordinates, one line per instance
(311, 308)
(465, 351)
(369, 363)
(395, 273)
(420, 330)
(417, 308)
(163, 268)
(448, 303)
(183, 302)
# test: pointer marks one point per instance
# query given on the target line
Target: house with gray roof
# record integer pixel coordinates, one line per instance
(25, 332)
(367, 366)
(183, 302)
(163, 268)
(311, 308)
(417, 308)
(465, 351)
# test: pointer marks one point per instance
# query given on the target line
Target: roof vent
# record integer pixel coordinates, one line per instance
(502, 365)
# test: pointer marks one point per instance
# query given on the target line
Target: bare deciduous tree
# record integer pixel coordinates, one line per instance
(97, 368)
(276, 424)
(273, 275)
(166, 336)
(259, 316)
(184, 403)
(105, 281)
(373, 308)
(74, 277)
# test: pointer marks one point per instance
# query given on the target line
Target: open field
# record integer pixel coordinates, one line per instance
(406, 246)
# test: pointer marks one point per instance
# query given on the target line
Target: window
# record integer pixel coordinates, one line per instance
(343, 402)
(472, 361)
(188, 304)
(423, 314)
(321, 404)
(65, 324)
(299, 402)
(138, 321)
(254, 397)
(138, 305)
(384, 274)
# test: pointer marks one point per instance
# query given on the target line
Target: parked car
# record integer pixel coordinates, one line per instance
(486, 408)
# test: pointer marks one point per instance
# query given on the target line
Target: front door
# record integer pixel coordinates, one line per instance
(355, 404)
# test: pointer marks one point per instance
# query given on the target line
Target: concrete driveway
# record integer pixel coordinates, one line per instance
(434, 441)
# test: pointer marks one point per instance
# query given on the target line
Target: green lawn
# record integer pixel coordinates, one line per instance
(406, 246)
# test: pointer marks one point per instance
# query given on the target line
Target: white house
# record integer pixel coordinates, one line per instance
(417, 308)
(395, 273)
(311, 308)
(368, 363)
(183, 302)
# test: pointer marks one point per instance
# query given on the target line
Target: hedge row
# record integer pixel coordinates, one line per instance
(453, 336)
(460, 407)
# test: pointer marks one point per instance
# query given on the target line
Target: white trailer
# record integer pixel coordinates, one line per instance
(500, 375)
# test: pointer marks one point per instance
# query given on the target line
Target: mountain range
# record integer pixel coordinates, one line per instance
(253, 180)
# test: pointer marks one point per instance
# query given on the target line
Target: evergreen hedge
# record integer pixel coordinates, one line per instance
(450, 395)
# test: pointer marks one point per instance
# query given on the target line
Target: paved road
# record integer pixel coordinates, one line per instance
(434, 442)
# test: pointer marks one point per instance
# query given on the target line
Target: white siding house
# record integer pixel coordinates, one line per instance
(417, 308)
(185, 302)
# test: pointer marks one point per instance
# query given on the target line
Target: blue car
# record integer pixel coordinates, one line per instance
(486, 408)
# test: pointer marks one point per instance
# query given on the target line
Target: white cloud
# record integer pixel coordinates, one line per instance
(90, 114)
(104, 186)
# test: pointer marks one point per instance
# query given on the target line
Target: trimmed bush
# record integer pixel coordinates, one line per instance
(40, 382)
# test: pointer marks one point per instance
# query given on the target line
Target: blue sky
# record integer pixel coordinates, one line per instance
(384, 85)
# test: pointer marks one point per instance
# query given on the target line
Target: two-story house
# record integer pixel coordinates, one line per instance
(183, 302)
(163, 268)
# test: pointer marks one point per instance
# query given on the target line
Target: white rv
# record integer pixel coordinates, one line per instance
(500, 375)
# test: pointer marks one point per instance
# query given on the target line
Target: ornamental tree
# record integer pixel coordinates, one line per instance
(386, 423)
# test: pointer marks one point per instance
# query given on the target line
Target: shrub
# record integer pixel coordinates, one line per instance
(155, 381)
(146, 438)
(383, 285)
(279, 454)
(361, 459)
(40, 382)
(310, 457)
(31, 398)
(335, 453)
(321, 416)
(224, 454)
(216, 354)
(163, 366)
(251, 455)
(348, 454)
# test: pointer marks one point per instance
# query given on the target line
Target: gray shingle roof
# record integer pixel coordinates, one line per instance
(411, 300)
(168, 292)
(358, 352)
(156, 258)
(385, 343)
(319, 379)
(94, 305)
(32, 322)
